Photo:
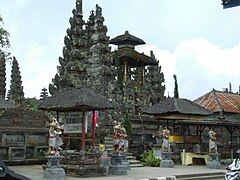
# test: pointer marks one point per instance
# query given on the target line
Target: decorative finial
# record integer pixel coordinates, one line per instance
(79, 7)
(98, 11)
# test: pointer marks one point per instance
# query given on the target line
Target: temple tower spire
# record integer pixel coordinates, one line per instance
(79, 7)
(72, 70)
(16, 88)
(2, 75)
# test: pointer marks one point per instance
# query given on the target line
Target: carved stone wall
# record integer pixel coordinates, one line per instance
(23, 135)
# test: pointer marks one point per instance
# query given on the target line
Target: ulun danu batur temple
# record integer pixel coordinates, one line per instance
(128, 78)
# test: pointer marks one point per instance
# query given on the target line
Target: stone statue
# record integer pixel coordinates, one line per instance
(212, 141)
(158, 135)
(54, 138)
(165, 143)
(120, 142)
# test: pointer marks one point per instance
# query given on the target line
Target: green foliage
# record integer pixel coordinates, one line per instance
(4, 39)
(149, 158)
(176, 94)
(33, 107)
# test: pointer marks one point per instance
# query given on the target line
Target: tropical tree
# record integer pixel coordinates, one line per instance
(16, 88)
(176, 95)
(4, 55)
(44, 94)
(4, 39)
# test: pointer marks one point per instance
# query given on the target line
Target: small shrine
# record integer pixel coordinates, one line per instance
(76, 105)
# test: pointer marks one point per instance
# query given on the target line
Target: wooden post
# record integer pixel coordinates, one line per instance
(83, 130)
(183, 134)
(57, 116)
(143, 71)
(231, 130)
(125, 70)
(93, 130)
(201, 129)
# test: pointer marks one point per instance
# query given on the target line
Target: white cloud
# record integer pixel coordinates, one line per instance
(200, 66)
(22, 3)
(37, 63)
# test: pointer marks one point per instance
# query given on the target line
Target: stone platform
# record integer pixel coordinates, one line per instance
(35, 172)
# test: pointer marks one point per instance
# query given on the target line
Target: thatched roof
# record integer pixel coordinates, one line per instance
(133, 57)
(177, 105)
(6, 104)
(126, 38)
(83, 99)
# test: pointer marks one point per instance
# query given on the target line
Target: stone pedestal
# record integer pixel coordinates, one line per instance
(126, 162)
(158, 152)
(54, 171)
(119, 165)
(105, 162)
(166, 160)
(214, 161)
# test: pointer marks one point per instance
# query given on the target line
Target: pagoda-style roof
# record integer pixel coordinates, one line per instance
(134, 58)
(83, 99)
(126, 39)
(177, 105)
(6, 104)
(218, 101)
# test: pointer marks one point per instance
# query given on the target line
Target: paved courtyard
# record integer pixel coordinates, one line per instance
(35, 172)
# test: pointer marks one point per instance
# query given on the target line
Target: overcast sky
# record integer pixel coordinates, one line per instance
(197, 40)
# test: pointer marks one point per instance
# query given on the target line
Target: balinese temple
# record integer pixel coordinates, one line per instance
(129, 79)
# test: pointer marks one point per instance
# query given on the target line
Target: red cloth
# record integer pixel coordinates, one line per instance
(94, 118)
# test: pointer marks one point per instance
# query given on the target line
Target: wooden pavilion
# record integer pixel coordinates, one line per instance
(188, 121)
(81, 101)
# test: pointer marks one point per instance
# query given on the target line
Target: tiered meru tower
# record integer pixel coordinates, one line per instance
(141, 81)
(128, 78)
(86, 58)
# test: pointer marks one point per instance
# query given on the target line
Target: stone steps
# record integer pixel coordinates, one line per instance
(132, 159)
